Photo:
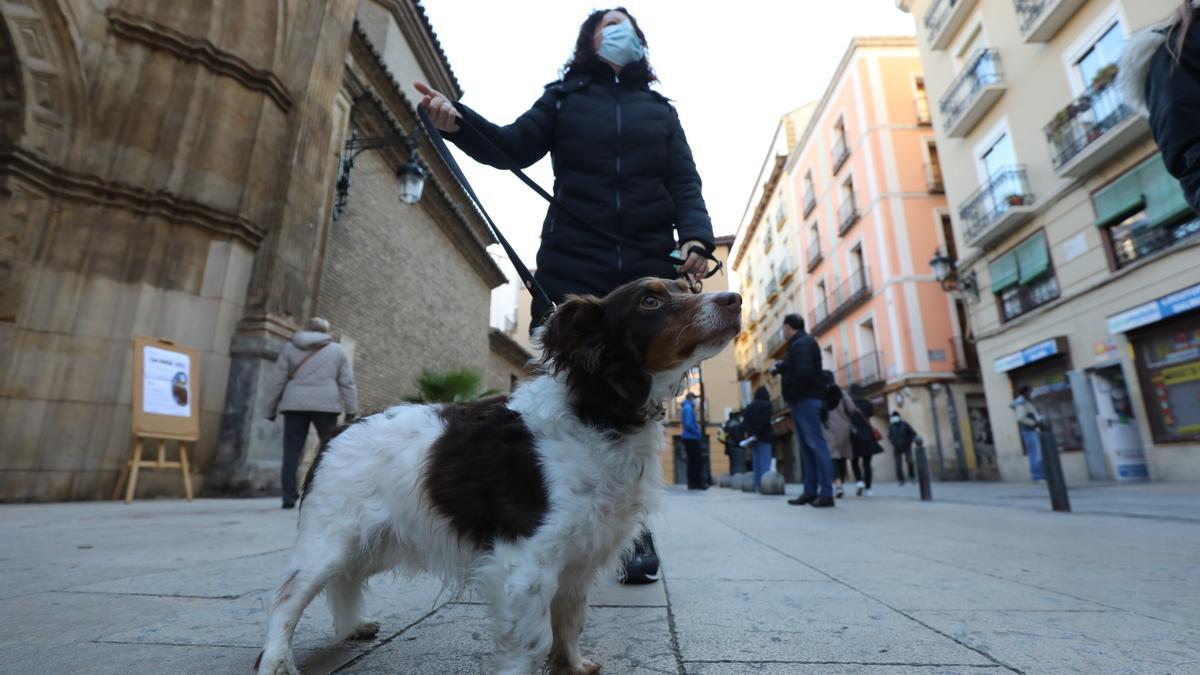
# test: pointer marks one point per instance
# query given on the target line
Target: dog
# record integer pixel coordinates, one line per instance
(524, 499)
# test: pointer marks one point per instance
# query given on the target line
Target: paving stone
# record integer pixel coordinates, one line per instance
(1074, 642)
(801, 621)
(750, 668)
(224, 579)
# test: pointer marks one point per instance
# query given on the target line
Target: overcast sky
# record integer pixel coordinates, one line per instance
(731, 68)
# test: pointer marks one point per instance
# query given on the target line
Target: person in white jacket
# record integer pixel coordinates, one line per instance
(311, 383)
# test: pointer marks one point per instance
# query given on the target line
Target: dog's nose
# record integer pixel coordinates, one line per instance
(728, 300)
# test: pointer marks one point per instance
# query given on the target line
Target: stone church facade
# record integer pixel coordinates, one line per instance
(168, 169)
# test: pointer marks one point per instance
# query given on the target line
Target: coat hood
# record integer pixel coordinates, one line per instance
(1134, 67)
(310, 339)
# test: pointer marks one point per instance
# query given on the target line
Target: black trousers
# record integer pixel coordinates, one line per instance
(695, 469)
(908, 459)
(295, 431)
(861, 466)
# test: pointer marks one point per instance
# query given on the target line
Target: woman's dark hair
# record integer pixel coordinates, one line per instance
(585, 53)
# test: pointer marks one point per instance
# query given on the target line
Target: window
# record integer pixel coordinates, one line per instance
(1143, 212)
(1098, 66)
(933, 167)
(1023, 279)
(1005, 184)
(841, 150)
(948, 237)
(1168, 362)
(922, 102)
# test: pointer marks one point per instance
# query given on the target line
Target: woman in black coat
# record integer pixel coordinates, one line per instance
(863, 441)
(1160, 71)
(621, 163)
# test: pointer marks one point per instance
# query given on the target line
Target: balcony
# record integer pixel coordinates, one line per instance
(814, 254)
(924, 118)
(847, 215)
(973, 93)
(865, 371)
(772, 290)
(999, 207)
(810, 201)
(944, 19)
(776, 344)
(747, 371)
(841, 152)
(1093, 129)
(786, 270)
(849, 295)
(1041, 19)
(933, 178)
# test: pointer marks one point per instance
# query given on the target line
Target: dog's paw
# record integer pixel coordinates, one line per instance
(366, 630)
(585, 667)
(589, 668)
(280, 667)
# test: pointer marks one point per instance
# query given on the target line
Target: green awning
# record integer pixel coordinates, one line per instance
(1033, 258)
(1117, 201)
(1164, 198)
(1004, 272)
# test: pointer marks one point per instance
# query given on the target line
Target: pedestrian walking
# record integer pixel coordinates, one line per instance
(620, 159)
(692, 435)
(1030, 422)
(804, 391)
(733, 432)
(864, 440)
(761, 433)
(1160, 72)
(311, 383)
(901, 435)
(837, 424)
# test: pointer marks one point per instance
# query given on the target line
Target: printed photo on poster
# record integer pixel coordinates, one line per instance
(166, 384)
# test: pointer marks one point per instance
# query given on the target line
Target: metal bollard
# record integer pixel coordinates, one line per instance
(923, 470)
(1052, 465)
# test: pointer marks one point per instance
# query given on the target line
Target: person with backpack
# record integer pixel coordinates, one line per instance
(621, 161)
(758, 425)
(311, 383)
(901, 435)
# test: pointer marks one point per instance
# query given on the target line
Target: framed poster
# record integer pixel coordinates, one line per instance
(166, 391)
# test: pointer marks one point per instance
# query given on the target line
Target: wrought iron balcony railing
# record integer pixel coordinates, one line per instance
(841, 152)
(810, 201)
(864, 371)
(1087, 119)
(983, 69)
(814, 253)
(848, 295)
(933, 177)
(847, 215)
(1005, 192)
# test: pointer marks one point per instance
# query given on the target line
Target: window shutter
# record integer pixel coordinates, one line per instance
(1033, 258)
(1164, 198)
(1118, 200)
(1004, 272)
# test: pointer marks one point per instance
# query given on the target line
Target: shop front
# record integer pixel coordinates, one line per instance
(1044, 368)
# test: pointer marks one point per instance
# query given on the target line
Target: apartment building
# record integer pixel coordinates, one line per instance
(862, 185)
(1073, 247)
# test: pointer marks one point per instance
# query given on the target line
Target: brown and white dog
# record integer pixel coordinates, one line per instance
(522, 499)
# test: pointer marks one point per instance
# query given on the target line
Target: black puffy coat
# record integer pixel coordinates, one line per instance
(1170, 91)
(757, 416)
(621, 162)
(801, 371)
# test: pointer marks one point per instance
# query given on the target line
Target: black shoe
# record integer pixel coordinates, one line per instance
(839, 493)
(289, 505)
(824, 502)
(802, 500)
(641, 567)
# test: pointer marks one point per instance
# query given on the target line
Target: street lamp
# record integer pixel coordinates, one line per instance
(410, 174)
(944, 272)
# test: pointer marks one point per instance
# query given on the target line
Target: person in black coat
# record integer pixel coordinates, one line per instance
(733, 433)
(1160, 72)
(757, 418)
(901, 435)
(621, 162)
(803, 386)
(862, 441)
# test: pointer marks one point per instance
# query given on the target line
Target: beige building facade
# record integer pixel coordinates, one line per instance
(169, 169)
(1074, 249)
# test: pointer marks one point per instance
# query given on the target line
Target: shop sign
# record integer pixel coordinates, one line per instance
(1037, 352)
(1107, 350)
(1151, 312)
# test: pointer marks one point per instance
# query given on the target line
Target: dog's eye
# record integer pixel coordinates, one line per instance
(651, 302)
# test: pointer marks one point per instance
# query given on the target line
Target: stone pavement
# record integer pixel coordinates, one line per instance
(880, 585)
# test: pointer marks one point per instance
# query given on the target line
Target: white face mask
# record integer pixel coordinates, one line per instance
(620, 45)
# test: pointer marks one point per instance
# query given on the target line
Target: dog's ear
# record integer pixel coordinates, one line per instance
(572, 337)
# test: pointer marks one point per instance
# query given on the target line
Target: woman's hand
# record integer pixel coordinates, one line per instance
(694, 265)
(443, 113)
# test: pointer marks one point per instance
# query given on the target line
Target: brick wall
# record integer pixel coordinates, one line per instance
(396, 285)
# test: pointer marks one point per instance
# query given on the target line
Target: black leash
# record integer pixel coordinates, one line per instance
(526, 277)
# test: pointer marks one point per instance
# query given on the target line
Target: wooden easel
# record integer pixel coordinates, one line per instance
(180, 424)
(136, 462)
